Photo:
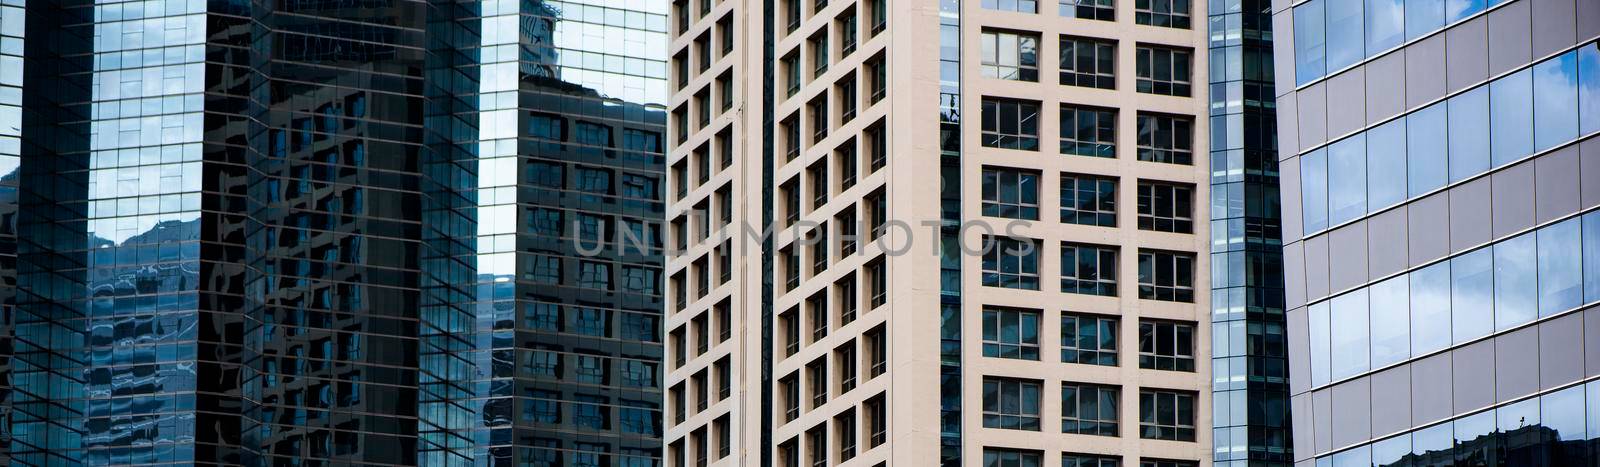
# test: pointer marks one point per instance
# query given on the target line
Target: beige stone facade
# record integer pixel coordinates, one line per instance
(886, 404)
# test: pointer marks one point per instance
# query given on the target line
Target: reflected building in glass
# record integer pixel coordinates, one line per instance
(1441, 244)
(331, 232)
(542, 346)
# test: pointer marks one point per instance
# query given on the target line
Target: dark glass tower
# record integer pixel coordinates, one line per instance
(330, 231)
(1250, 420)
(546, 127)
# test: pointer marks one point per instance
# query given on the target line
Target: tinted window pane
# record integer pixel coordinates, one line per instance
(1471, 295)
(1347, 179)
(1385, 24)
(1358, 457)
(1512, 116)
(1386, 164)
(1564, 412)
(1321, 348)
(1555, 101)
(1392, 452)
(1430, 308)
(1589, 87)
(1560, 271)
(1516, 298)
(1431, 446)
(1469, 133)
(1391, 321)
(1423, 16)
(1310, 41)
(1314, 190)
(1457, 9)
(1349, 338)
(1521, 438)
(1591, 256)
(1345, 38)
(1476, 440)
(1427, 165)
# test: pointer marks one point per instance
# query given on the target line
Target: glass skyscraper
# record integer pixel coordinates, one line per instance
(1440, 174)
(1249, 370)
(331, 232)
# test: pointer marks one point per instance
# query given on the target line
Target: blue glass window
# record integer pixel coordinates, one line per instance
(1591, 256)
(1349, 334)
(1516, 289)
(1347, 179)
(1589, 88)
(1511, 117)
(1423, 16)
(1310, 42)
(1555, 101)
(1472, 295)
(1560, 271)
(1428, 163)
(1386, 164)
(1314, 190)
(1358, 457)
(1455, 10)
(1391, 321)
(1563, 412)
(1386, 24)
(1392, 451)
(1431, 446)
(1346, 39)
(1321, 347)
(1469, 133)
(1476, 438)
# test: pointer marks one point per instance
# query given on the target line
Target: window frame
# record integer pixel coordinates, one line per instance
(1151, 79)
(1099, 285)
(1102, 54)
(1021, 342)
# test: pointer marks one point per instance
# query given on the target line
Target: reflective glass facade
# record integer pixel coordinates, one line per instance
(1438, 216)
(1249, 369)
(331, 232)
(549, 223)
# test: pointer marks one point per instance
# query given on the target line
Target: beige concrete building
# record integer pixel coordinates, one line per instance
(846, 337)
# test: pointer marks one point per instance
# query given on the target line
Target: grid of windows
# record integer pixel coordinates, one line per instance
(1088, 339)
(1089, 269)
(1166, 207)
(1089, 409)
(1010, 55)
(1088, 62)
(1010, 263)
(1103, 10)
(1088, 200)
(1165, 13)
(1088, 131)
(1166, 346)
(1166, 138)
(1167, 415)
(1011, 333)
(1162, 70)
(1166, 275)
(1010, 193)
(1010, 124)
(1010, 403)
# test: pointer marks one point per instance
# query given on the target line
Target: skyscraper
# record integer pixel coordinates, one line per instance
(332, 232)
(1250, 371)
(548, 120)
(822, 310)
(1441, 247)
